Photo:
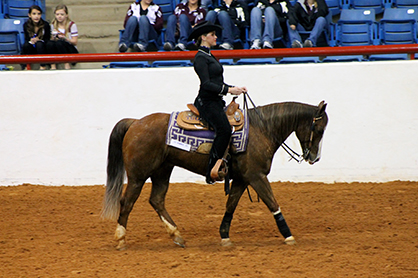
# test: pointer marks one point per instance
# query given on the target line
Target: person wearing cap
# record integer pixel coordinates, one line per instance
(209, 101)
(145, 19)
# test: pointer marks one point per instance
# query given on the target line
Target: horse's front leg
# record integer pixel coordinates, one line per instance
(235, 194)
(263, 188)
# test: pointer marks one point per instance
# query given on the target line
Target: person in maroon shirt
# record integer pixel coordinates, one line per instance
(185, 17)
(143, 17)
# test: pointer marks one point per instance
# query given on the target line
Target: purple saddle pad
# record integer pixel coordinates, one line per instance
(190, 140)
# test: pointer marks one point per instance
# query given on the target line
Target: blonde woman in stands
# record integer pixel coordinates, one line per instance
(37, 34)
(143, 22)
(64, 35)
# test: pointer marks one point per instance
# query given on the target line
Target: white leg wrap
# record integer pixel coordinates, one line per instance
(171, 229)
(277, 212)
(290, 240)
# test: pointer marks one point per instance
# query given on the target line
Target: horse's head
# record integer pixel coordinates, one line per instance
(310, 134)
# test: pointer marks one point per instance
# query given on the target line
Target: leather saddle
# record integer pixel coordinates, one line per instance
(190, 120)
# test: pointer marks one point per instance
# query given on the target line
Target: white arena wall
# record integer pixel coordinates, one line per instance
(55, 125)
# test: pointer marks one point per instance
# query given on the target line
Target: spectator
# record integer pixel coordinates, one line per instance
(307, 15)
(233, 17)
(37, 34)
(185, 17)
(209, 101)
(64, 34)
(143, 22)
(273, 15)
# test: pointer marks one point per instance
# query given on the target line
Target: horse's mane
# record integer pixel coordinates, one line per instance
(278, 117)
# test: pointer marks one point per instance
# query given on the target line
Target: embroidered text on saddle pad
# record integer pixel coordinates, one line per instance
(190, 140)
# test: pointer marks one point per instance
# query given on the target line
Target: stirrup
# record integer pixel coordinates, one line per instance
(219, 171)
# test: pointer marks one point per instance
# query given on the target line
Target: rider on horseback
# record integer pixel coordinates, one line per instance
(209, 101)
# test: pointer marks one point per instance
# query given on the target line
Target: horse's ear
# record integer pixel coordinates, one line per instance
(321, 107)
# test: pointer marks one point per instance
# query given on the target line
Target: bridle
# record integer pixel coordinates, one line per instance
(307, 151)
(293, 155)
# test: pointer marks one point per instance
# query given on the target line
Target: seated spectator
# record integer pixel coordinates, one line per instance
(185, 17)
(143, 22)
(37, 34)
(64, 34)
(233, 17)
(272, 15)
(307, 15)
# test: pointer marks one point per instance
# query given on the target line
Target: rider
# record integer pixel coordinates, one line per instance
(209, 101)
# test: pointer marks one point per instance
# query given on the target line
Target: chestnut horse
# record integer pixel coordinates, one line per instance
(138, 148)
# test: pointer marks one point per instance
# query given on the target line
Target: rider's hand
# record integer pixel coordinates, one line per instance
(237, 90)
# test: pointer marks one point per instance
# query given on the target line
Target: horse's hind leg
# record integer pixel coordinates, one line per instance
(160, 182)
(132, 192)
(263, 189)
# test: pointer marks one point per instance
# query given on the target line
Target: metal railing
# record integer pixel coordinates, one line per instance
(409, 49)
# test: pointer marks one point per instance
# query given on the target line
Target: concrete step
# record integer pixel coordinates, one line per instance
(90, 13)
(99, 29)
(101, 45)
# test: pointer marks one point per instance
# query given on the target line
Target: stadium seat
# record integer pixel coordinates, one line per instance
(227, 62)
(334, 6)
(356, 27)
(167, 6)
(377, 5)
(388, 57)
(399, 26)
(11, 36)
(130, 64)
(298, 60)
(256, 61)
(171, 63)
(19, 8)
(405, 3)
(2, 15)
(348, 58)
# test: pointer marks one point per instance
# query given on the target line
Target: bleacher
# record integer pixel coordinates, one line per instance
(354, 22)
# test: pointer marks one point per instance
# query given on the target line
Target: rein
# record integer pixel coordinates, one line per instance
(293, 155)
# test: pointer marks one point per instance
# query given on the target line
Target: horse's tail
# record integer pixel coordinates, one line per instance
(115, 170)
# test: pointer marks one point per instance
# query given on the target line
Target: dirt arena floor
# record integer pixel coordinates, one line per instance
(342, 230)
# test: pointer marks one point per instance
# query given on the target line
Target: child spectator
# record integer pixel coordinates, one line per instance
(307, 15)
(186, 16)
(273, 15)
(233, 17)
(64, 34)
(143, 22)
(37, 34)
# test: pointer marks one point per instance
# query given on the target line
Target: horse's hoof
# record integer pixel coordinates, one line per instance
(226, 242)
(120, 232)
(121, 245)
(290, 240)
(180, 241)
